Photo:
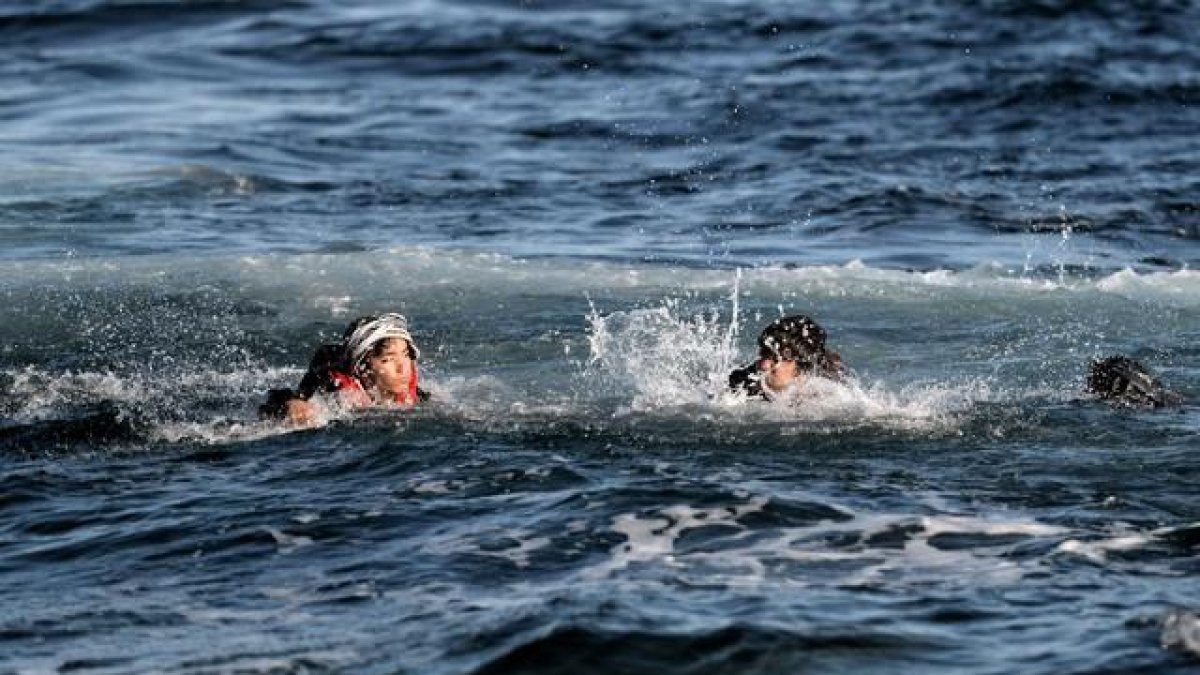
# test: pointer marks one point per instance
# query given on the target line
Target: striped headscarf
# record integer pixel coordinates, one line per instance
(368, 331)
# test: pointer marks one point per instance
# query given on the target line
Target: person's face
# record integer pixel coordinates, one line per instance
(392, 368)
(778, 373)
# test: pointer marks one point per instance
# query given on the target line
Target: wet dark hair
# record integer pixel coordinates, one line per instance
(798, 338)
(793, 338)
(1124, 381)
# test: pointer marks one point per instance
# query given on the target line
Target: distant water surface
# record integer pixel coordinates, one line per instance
(920, 135)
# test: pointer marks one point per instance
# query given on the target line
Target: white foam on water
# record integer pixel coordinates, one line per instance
(661, 356)
(1181, 286)
(666, 359)
(1124, 539)
(920, 407)
(36, 394)
(935, 525)
(165, 403)
(1097, 551)
(215, 432)
(1181, 631)
(527, 543)
(487, 397)
(653, 539)
(36, 391)
(745, 557)
(334, 282)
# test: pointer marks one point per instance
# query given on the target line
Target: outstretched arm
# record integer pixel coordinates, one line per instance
(294, 405)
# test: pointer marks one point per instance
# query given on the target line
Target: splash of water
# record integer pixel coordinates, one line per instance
(672, 357)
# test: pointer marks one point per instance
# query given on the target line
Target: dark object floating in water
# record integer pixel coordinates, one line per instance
(1123, 381)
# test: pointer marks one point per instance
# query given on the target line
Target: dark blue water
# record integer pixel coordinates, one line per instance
(588, 210)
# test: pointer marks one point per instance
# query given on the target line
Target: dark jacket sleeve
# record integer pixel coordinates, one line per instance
(746, 380)
(316, 380)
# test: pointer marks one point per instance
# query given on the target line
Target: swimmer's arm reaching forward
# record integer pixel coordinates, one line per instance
(295, 406)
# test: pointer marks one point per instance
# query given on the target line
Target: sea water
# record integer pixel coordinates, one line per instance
(588, 211)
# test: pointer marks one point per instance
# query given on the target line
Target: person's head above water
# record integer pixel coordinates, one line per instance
(366, 332)
(792, 347)
(375, 363)
(792, 338)
(380, 349)
(1121, 380)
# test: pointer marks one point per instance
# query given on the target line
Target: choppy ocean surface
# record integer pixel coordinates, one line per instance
(588, 210)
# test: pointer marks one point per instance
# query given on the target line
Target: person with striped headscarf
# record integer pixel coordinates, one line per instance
(374, 364)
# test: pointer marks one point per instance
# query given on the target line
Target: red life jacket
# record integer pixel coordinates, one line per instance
(351, 390)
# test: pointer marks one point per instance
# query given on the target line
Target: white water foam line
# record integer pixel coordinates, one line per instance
(743, 557)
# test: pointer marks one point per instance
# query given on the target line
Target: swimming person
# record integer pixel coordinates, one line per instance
(1123, 381)
(790, 350)
(375, 364)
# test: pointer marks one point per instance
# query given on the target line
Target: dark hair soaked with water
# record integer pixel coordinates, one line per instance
(798, 338)
(1123, 381)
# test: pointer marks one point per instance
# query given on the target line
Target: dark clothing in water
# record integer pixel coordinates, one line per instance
(323, 375)
(748, 381)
